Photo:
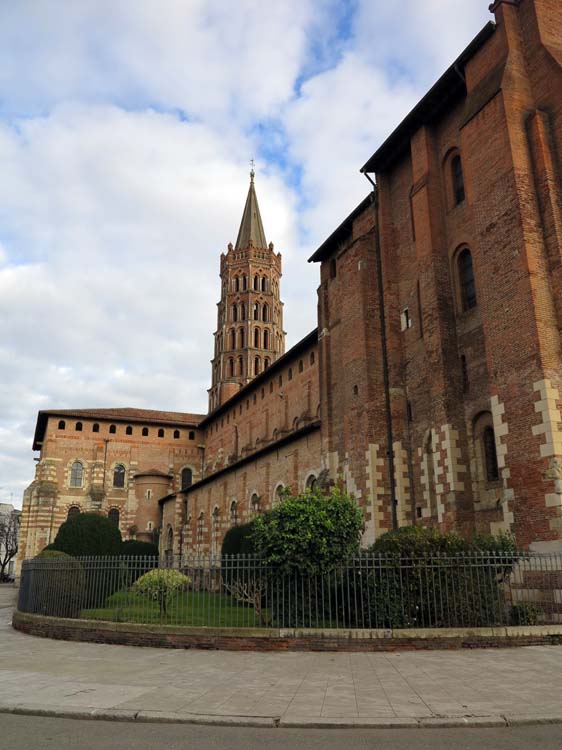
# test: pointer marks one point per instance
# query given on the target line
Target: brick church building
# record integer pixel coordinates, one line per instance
(431, 389)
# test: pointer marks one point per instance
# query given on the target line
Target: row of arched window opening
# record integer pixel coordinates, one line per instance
(236, 367)
(261, 339)
(240, 283)
(128, 430)
(259, 312)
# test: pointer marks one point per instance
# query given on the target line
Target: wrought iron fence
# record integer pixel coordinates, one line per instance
(369, 591)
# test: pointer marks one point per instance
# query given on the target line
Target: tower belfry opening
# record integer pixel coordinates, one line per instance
(249, 335)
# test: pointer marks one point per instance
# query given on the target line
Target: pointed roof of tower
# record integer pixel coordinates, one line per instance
(251, 227)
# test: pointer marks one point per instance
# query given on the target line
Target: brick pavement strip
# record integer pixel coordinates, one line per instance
(496, 687)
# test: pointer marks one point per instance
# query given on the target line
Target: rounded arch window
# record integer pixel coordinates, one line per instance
(257, 366)
(242, 338)
(265, 366)
(161, 433)
(113, 515)
(266, 339)
(312, 483)
(255, 503)
(242, 311)
(457, 178)
(176, 434)
(186, 478)
(233, 339)
(264, 284)
(244, 282)
(145, 431)
(257, 338)
(112, 429)
(62, 424)
(467, 283)
(265, 313)
(129, 430)
(78, 427)
(241, 366)
(73, 511)
(256, 311)
(488, 469)
(235, 313)
(256, 283)
(119, 476)
(234, 513)
(236, 284)
(77, 474)
(95, 427)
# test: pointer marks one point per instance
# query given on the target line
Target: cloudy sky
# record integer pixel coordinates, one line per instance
(126, 131)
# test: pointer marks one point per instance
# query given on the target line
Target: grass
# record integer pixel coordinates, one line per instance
(190, 608)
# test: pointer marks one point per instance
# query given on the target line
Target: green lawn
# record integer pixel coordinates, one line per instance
(192, 608)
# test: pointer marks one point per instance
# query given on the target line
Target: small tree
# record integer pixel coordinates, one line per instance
(9, 533)
(89, 534)
(159, 584)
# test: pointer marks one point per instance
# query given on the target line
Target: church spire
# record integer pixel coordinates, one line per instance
(251, 227)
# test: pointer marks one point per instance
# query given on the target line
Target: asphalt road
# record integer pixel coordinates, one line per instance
(38, 733)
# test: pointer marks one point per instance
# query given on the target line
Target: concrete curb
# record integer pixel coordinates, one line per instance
(272, 722)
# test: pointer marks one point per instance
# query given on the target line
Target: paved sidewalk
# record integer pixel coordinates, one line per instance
(480, 687)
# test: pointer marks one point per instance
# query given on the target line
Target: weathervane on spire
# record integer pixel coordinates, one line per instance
(252, 173)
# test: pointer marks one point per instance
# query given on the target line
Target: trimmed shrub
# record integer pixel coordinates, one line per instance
(57, 586)
(160, 584)
(146, 555)
(134, 548)
(304, 542)
(88, 534)
(425, 578)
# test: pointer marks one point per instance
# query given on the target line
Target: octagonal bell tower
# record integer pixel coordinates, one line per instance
(249, 335)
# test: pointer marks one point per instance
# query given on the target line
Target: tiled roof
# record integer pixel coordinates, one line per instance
(251, 227)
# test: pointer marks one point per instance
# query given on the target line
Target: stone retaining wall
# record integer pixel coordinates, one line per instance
(262, 639)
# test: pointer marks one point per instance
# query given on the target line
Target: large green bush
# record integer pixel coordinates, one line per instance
(135, 548)
(56, 582)
(309, 533)
(238, 540)
(88, 534)
(419, 577)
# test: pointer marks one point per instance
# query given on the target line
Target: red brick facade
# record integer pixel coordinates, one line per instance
(439, 317)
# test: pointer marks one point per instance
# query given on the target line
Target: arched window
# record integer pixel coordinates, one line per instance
(73, 511)
(265, 313)
(113, 515)
(215, 526)
(256, 311)
(78, 427)
(76, 474)
(95, 427)
(242, 338)
(145, 431)
(236, 284)
(279, 491)
(62, 424)
(191, 435)
(466, 280)
(264, 284)
(233, 339)
(257, 338)
(265, 366)
(161, 433)
(241, 366)
(129, 430)
(234, 313)
(231, 368)
(112, 429)
(242, 311)
(186, 478)
(490, 455)
(429, 472)
(176, 434)
(458, 180)
(290, 373)
(244, 282)
(119, 476)
(256, 283)
(255, 504)
(234, 513)
(266, 339)
(257, 366)
(312, 483)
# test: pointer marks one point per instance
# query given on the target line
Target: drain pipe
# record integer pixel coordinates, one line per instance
(385, 367)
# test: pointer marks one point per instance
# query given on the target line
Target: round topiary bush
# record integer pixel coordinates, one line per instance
(88, 534)
(160, 584)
